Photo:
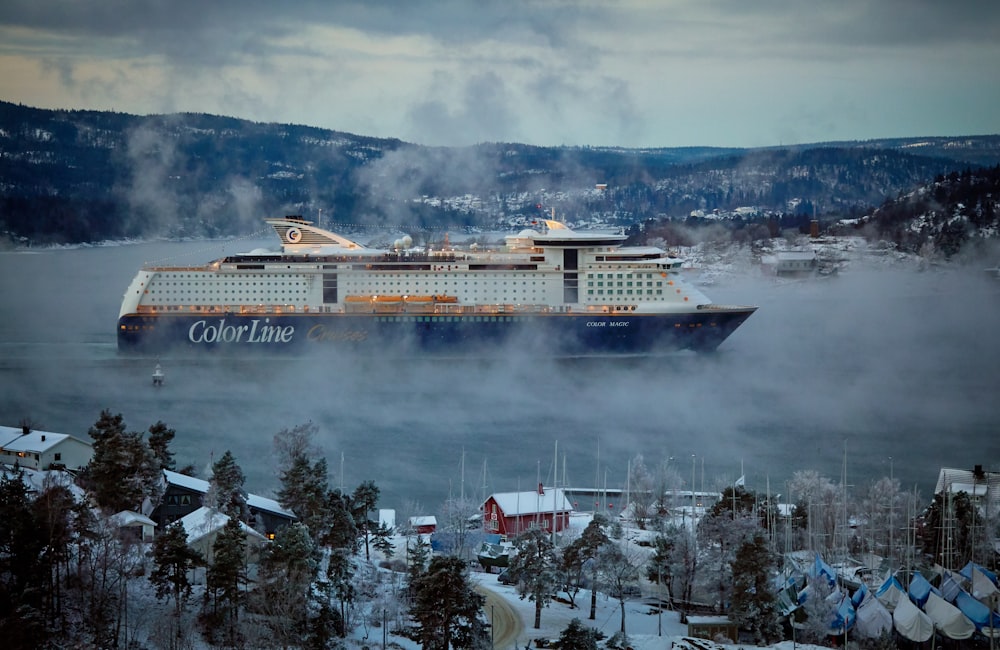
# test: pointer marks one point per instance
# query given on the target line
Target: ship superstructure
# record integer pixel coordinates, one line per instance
(575, 292)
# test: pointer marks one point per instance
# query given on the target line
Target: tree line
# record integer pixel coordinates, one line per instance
(70, 577)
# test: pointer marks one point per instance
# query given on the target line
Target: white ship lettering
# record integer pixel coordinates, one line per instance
(613, 323)
(255, 332)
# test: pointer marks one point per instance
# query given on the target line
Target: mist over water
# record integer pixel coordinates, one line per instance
(873, 365)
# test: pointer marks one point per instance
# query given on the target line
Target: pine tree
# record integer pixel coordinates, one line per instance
(225, 577)
(172, 560)
(754, 607)
(578, 636)
(22, 622)
(446, 607)
(287, 570)
(122, 471)
(304, 492)
(580, 554)
(226, 492)
(365, 499)
(160, 437)
(534, 569)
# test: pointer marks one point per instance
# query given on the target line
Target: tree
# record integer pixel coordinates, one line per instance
(642, 496)
(225, 492)
(172, 560)
(446, 607)
(754, 607)
(618, 569)
(578, 636)
(304, 490)
(122, 471)
(287, 570)
(719, 536)
(534, 569)
(20, 548)
(224, 579)
(581, 554)
(160, 437)
(365, 500)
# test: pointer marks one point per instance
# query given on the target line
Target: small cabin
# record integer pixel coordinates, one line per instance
(424, 525)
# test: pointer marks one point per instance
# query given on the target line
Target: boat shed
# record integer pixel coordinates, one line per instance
(511, 513)
(42, 450)
(184, 494)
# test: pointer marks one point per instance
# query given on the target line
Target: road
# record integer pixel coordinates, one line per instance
(506, 622)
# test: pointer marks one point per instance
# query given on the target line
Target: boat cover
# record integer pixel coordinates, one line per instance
(821, 568)
(843, 617)
(947, 618)
(983, 587)
(872, 618)
(968, 570)
(859, 595)
(890, 592)
(981, 615)
(950, 586)
(920, 589)
(910, 622)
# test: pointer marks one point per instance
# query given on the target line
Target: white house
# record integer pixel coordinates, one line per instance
(43, 449)
(203, 526)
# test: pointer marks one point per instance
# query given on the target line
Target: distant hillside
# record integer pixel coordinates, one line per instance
(77, 176)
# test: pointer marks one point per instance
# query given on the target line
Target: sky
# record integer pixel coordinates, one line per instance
(631, 73)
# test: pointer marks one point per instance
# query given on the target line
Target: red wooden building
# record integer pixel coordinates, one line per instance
(511, 513)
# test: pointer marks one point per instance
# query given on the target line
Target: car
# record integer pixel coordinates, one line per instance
(504, 578)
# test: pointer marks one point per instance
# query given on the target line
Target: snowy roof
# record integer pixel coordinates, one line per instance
(37, 480)
(531, 502)
(205, 521)
(199, 485)
(131, 518)
(14, 439)
(981, 484)
(425, 520)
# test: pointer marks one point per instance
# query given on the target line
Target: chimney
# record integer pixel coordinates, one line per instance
(43, 437)
(541, 490)
(25, 429)
(978, 471)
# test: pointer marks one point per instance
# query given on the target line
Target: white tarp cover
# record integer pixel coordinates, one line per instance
(982, 587)
(912, 623)
(872, 618)
(948, 618)
(890, 593)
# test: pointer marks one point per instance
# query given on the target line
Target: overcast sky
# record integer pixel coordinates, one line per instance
(635, 73)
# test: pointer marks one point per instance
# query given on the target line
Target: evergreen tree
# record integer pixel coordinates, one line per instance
(160, 437)
(304, 491)
(534, 569)
(224, 579)
(122, 472)
(365, 499)
(341, 532)
(446, 607)
(754, 607)
(22, 622)
(287, 570)
(226, 492)
(382, 539)
(581, 554)
(172, 560)
(578, 636)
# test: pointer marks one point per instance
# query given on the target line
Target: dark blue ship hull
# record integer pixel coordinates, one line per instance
(557, 333)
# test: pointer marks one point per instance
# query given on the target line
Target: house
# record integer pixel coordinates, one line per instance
(134, 525)
(791, 263)
(425, 525)
(184, 494)
(982, 487)
(511, 513)
(203, 526)
(43, 449)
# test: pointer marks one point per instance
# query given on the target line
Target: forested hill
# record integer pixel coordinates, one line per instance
(77, 176)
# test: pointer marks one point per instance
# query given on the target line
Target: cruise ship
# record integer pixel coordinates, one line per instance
(549, 289)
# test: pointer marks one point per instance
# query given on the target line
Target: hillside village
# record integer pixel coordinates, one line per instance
(844, 546)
